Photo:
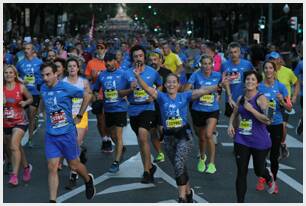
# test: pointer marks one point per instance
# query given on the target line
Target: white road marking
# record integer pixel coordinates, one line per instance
(126, 187)
(168, 201)
(131, 168)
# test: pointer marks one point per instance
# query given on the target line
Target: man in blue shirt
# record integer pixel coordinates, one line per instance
(234, 69)
(28, 69)
(115, 107)
(61, 134)
(141, 108)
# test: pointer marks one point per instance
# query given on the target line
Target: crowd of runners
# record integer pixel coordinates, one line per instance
(165, 89)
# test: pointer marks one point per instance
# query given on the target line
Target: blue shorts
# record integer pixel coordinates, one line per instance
(65, 145)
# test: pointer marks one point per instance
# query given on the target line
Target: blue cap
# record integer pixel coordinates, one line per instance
(273, 55)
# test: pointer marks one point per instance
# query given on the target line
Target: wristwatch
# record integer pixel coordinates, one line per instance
(79, 116)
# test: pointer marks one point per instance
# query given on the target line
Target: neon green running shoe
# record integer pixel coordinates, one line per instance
(211, 168)
(159, 158)
(201, 164)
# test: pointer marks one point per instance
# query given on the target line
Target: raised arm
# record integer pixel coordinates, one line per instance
(151, 91)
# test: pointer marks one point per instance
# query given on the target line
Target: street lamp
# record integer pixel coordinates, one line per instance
(286, 9)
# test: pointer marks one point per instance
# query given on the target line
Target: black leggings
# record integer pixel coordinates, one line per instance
(276, 134)
(242, 156)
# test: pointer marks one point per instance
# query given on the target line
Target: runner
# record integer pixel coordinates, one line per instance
(205, 112)
(74, 79)
(61, 134)
(234, 68)
(115, 107)
(141, 109)
(28, 69)
(247, 125)
(15, 122)
(276, 93)
(178, 137)
(288, 78)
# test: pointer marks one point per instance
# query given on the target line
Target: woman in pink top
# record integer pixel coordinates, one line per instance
(61, 53)
(211, 51)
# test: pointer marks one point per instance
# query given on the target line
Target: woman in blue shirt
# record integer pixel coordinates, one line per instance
(177, 133)
(276, 93)
(205, 111)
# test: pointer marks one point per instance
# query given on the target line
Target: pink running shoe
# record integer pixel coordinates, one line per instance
(27, 173)
(13, 180)
(260, 184)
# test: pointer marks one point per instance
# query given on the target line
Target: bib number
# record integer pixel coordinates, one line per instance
(174, 123)
(58, 119)
(245, 127)
(30, 79)
(140, 95)
(111, 95)
(207, 100)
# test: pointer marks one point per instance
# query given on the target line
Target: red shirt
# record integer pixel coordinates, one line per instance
(13, 113)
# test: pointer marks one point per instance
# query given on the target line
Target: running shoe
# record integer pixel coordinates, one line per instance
(159, 158)
(260, 184)
(114, 167)
(146, 178)
(189, 197)
(201, 164)
(211, 168)
(276, 188)
(153, 170)
(107, 146)
(90, 190)
(13, 180)
(271, 184)
(181, 200)
(72, 181)
(27, 173)
(299, 128)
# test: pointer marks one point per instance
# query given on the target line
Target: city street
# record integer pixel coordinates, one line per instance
(125, 187)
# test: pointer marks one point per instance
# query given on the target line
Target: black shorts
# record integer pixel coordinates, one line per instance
(146, 119)
(117, 119)
(199, 118)
(36, 100)
(9, 131)
(228, 110)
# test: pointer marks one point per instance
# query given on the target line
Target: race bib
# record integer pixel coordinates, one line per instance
(76, 105)
(235, 77)
(111, 95)
(245, 127)
(174, 123)
(140, 95)
(9, 113)
(207, 100)
(29, 78)
(58, 119)
(272, 104)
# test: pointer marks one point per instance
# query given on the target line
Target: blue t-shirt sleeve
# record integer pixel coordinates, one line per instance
(298, 69)
(158, 79)
(250, 66)
(192, 78)
(223, 67)
(160, 96)
(96, 86)
(188, 95)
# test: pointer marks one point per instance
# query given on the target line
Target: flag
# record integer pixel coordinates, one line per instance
(92, 28)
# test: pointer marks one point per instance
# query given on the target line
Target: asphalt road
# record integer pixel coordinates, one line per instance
(125, 187)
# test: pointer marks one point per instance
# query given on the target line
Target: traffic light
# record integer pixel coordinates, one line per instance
(293, 22)
(262, 22)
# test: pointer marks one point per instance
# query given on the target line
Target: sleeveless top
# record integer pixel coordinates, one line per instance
(77, 102)
(251, 132)
(13, 113)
